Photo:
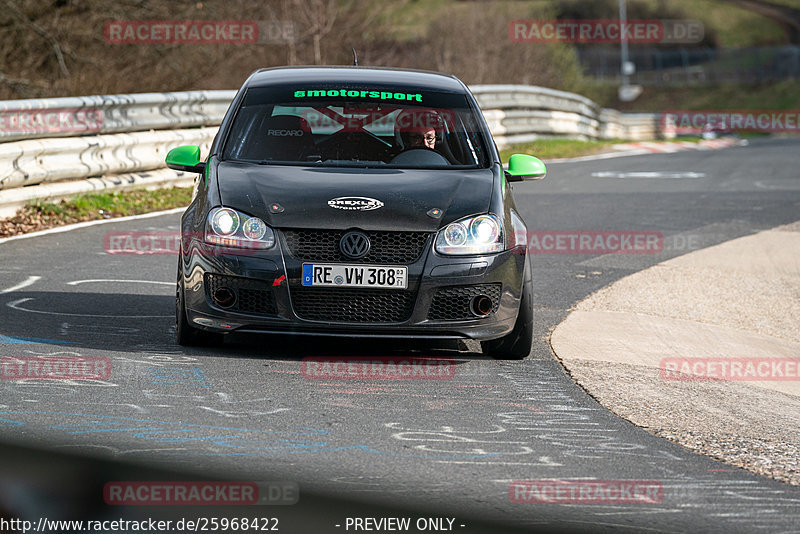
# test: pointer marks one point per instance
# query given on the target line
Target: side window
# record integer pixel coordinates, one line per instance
(244, 123)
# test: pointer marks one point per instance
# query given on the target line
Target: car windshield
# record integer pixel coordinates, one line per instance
(356, 127)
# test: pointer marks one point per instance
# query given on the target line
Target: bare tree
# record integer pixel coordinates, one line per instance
(320, 16)
(20, 16)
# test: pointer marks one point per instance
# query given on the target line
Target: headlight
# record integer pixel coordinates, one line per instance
(482, 234)
(254, 228)
(224, 222)
(233, 229)
(455, 235)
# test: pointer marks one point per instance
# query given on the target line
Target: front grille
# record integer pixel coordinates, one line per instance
(353, 305)
(252, 296)
(396, 248)
(452, 303)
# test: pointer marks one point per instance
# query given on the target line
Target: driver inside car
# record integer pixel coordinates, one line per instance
(417, 128)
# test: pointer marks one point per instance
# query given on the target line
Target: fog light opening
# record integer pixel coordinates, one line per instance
(225, 297)
(481, 306)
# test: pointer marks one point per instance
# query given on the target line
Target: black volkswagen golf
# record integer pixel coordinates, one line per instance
(352, 201)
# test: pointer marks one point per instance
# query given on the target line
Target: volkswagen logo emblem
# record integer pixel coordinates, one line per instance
(354, 245)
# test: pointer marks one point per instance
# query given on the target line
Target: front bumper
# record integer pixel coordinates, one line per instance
(271, 299)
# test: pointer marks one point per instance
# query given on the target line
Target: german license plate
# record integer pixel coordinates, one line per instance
(338, 275)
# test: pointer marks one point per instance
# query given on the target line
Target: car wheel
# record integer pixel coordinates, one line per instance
(515, 345)
(185, 334)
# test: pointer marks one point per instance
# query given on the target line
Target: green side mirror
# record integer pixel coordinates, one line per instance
(185, 158)
(525, 167)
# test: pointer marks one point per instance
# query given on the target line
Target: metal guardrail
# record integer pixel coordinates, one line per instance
(70, 116)
(532, 97)
(77, 138)
(520, 113)
(49, 160)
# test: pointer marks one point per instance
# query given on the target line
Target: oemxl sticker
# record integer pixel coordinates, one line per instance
(355, 203)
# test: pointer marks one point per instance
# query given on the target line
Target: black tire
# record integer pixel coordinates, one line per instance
(185, 334)
(515, 345)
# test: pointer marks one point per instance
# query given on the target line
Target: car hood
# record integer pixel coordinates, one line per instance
(303, 194)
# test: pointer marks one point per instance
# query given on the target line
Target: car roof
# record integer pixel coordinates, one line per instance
(419, 79)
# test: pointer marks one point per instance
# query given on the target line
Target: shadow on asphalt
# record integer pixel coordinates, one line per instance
(126, 323)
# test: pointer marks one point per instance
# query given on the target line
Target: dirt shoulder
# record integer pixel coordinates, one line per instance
(737, 301)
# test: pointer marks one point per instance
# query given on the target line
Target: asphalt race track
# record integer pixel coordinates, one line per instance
(436, 448)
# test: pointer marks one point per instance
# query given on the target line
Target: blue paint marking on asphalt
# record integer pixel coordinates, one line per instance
(280, 442)
(10, 422)
(191, 377)
(13, 340)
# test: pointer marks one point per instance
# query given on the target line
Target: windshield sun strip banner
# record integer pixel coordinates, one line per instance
(353, 93)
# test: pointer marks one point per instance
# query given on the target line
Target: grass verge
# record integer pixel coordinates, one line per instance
(93, 206)
(558, 148)
(571, 148)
